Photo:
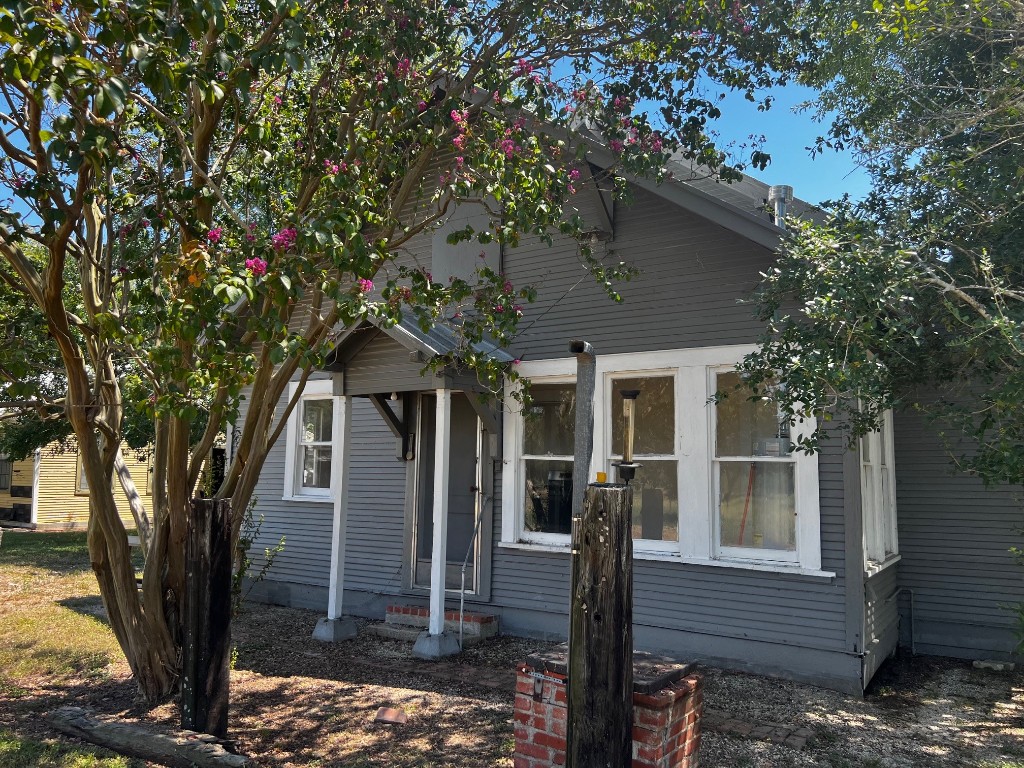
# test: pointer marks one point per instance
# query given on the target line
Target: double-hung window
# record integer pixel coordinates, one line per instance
(310, 440)
(719, 481)
(754, 474)
(6, 470)
(878, 493)
(656, 486)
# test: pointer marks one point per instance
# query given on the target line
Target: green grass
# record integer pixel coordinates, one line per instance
(46, 627)
(17, 752)
(60, 552)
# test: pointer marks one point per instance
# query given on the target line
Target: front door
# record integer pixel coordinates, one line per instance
(463, 494)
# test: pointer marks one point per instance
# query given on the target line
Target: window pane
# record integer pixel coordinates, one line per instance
(747, 427)
(656, 501)
(548, 505)
(317, 421)
(655, 414)
(5, 474)
(550, 420)
(757, 505)
(316, 467)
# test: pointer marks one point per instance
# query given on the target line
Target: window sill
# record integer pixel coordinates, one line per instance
(873, 567)
(671, 557)
(314, 499)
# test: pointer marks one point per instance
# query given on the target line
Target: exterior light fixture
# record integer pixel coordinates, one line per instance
(627, 468)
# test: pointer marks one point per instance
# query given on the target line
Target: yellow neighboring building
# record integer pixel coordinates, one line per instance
(49, 491)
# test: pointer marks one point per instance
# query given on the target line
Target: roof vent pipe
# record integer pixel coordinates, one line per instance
(780, 195)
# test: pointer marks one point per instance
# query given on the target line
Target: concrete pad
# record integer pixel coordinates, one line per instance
(433, 647)
(334, 630)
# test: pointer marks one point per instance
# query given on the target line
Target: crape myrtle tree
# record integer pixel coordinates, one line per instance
(221, 186)
(913, 297)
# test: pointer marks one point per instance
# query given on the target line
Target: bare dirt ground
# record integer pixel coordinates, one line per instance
(298, 702)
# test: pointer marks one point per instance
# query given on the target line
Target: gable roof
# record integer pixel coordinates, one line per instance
(437, 341)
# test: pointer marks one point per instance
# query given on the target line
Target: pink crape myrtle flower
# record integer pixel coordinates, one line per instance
(284, 239)
(365, 286)
(215, 234)
(257, 266)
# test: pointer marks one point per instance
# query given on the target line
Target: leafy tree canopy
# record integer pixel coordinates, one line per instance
(213, 188)
(915, 296)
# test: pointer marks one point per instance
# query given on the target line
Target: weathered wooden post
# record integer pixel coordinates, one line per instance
(599, 731)
(206, 648)
(599, 723)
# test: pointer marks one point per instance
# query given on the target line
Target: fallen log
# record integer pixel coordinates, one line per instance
(175, 749)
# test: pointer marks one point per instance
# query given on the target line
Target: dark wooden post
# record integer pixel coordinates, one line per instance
(600, 707)
(206, 648)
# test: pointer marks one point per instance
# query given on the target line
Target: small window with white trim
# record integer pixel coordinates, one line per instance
(878, 493)
(547, 457)
(755, 474)
(656, 485)
(309, 447)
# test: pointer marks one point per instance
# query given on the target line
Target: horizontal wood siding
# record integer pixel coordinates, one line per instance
(382, 366)
(16, 500)
(692, 275)
(61, 505)
(954, 537)
(376, 510)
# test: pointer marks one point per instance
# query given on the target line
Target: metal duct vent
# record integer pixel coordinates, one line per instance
(780, 195)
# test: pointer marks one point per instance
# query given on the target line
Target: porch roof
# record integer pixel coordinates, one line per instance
(437, 340)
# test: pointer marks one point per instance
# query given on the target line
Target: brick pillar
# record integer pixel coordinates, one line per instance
(666, 721)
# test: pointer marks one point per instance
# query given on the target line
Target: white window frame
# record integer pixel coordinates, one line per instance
(319, 389)
(878, 508)
(694, 371)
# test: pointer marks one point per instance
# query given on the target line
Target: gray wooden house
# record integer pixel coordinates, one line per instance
(398, 487)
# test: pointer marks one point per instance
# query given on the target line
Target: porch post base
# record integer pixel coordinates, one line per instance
(432, 647)
(334, 630)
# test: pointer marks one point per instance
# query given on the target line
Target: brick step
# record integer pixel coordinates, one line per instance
(408, 633)
(481, 625)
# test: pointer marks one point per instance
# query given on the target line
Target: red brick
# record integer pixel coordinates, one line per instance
(533, 750)
(547, 740)
(521, 717)
(556, 725)
(540, 708)
(561, 697)
(524, 685)
(522, 733)
(524, 703)
(644, 736)
(558, 758)
(657, 718)
(539, 723)
(521, 762)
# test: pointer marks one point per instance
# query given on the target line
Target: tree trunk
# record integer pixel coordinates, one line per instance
(131, 493)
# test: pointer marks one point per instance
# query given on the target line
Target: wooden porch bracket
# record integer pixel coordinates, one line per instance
(399, 427)
(489, 418)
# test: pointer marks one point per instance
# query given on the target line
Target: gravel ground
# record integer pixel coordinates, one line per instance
(298, 702)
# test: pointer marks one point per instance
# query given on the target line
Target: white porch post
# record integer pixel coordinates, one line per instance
(439, 555)
(435, 642)
(333, 627)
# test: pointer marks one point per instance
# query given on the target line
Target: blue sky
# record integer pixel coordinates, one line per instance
(789, 134)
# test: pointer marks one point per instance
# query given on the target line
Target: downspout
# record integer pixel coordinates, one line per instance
(36, 466)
